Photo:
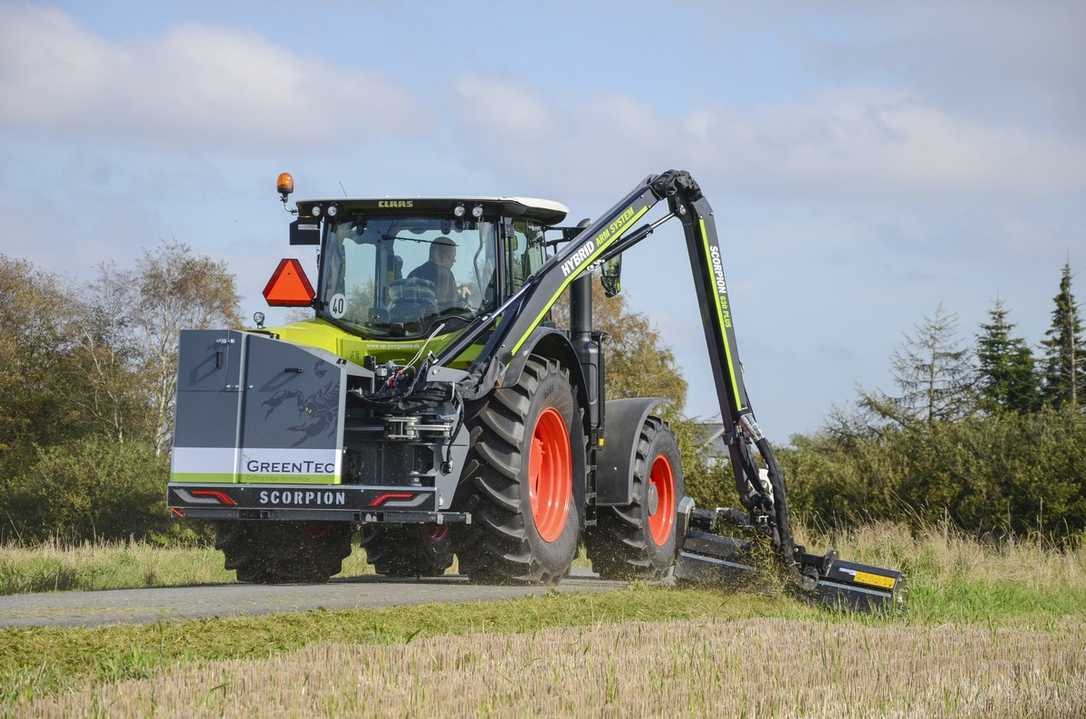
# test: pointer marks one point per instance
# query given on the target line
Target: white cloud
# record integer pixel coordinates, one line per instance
(495, 106)
(850, 142)
(195, 84)
(890, 139)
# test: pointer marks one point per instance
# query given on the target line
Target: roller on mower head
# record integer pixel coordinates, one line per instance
(708, 557)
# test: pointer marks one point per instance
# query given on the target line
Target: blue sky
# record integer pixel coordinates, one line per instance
(863, 166)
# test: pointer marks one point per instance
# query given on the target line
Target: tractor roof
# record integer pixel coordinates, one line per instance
(547, 212)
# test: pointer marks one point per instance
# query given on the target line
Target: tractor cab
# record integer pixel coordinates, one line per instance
(406, 269)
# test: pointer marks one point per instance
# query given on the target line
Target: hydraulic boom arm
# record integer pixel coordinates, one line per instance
(614, 232)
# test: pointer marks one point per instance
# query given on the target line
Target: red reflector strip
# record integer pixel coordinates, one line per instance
(223, 497)
(382, 498)
(177, 512)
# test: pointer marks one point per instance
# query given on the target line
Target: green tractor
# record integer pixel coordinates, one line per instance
(433, 403)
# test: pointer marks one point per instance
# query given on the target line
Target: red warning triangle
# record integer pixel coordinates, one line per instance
(288, 286)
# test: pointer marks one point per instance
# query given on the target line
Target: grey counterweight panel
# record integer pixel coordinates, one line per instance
(293, 398)
(292, 414)
(208, 380)
(206, 419)
(209, 360)
(254, 409)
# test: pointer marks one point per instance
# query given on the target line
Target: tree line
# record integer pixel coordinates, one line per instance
(87, 379)
(987, 434)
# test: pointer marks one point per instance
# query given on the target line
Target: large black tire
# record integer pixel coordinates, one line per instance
(622, 545)
(503, 544)
(284, 552)
(412, 550)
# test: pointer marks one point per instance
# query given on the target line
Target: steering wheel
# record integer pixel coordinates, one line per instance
(412, 299)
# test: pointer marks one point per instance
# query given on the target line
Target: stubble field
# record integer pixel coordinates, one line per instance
(992, 631)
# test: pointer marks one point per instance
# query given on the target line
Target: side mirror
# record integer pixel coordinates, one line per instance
(305, 231)
(611, 276)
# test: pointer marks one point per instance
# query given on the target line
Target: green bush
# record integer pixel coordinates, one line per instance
(90, 488)
(995, 474)
(707, 482)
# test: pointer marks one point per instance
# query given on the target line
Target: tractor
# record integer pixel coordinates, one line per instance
(433, 403)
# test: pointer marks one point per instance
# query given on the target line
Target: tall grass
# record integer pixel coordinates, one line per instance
(58, 565)
(953, 577)
(942, 552)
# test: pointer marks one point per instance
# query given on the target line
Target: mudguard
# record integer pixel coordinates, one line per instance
(553, 343)
(615, 460)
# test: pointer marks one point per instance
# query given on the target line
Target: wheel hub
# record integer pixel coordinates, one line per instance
(654, 499)
(550, 474)
(661, 498)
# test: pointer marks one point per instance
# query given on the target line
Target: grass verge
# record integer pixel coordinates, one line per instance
(59, 566)
(952, 580)
(756, 667)
(44, 660)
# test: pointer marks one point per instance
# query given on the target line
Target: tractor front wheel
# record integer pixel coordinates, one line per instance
(284, 552)
(527, 453)
(416, 550)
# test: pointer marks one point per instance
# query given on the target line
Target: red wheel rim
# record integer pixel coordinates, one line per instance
(550, 469)
(663, 519)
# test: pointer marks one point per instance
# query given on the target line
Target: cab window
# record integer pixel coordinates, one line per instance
(525, 252)
(403, 276)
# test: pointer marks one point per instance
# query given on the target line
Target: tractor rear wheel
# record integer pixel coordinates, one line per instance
(284, 552)
(527, 453)
(414, 550)
(637, 540)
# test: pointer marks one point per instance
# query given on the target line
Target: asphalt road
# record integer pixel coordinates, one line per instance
(142, 606)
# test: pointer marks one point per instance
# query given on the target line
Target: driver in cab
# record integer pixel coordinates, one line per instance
(437, 271)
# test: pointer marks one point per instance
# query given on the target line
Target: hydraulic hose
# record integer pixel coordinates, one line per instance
(780, 503)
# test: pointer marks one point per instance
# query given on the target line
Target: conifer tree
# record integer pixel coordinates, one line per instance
(934, 376)
(1065, 354)
(1006, 373)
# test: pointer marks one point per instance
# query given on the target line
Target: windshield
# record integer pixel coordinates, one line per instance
(404, 276)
